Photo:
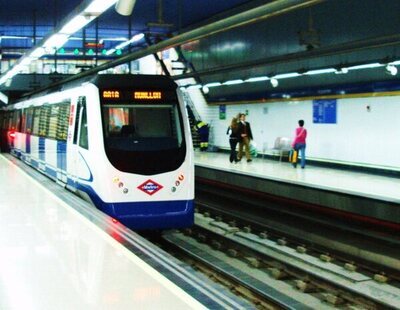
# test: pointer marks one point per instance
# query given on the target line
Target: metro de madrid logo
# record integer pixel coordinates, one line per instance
(150, 187)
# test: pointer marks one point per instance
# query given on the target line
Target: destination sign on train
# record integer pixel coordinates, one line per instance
(111, 94)
(147, 95)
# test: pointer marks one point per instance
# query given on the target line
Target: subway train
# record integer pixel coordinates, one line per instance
(121, 142)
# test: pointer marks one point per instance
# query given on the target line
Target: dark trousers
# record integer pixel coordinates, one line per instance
(233, 142)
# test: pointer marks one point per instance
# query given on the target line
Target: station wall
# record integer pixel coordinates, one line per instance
(360, 136)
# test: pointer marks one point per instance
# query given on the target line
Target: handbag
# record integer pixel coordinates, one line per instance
(293, 156)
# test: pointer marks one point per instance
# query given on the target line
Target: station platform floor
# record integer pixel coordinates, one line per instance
(367, 185)
(53, 256)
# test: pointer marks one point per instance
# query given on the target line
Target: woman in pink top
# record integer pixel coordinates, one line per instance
(299, 143)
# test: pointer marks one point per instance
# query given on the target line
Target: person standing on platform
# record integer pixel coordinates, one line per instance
(203, 130)
(233, 138)
(299, 143)
(245, 135)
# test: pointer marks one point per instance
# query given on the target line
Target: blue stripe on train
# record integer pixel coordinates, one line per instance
(42, 148)
(62, 155)
(28, 144)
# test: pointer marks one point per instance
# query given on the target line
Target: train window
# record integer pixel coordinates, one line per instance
(83, 132)
(62, 124)
(5, 121)
(149, 134)
(81, 100)
(44, 120)
(16, 121)
(23, 121)
(146, 123)
(10, 121)
(36, 118)
(53, 118)
(29, 120)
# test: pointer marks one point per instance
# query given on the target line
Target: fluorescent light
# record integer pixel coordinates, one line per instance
(109, 52)
(14, 37)
(257, 79)
(37, 53)
(26, 61)
(56, 41)
(233, 82)
(111, 39)
(3, 98)
(205, 89)
(287, 75)
(320, 71)
(395, 63)
(197, 86)
(366, 66)
(99, 6)
(214, 84)
(75, 24)
(135, 38)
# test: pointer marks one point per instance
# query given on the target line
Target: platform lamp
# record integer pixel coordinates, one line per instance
(125, 7)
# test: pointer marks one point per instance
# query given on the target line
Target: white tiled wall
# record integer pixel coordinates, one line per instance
(359, 136)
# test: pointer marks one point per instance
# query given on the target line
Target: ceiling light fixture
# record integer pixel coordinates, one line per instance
(56, 40)
(286, 75)
(390, 69)
(274, 82)
(257, 79)
(233, 82)
(125, 7)
(99, 6)
(3, 98)
(196, 86)
(366, 66)
(76, 23)
(214, 84)
(135, 38)
(320, 71)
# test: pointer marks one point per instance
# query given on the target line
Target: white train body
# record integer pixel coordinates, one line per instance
(122, 142)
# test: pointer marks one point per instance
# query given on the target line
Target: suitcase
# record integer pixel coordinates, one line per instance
(293, 156)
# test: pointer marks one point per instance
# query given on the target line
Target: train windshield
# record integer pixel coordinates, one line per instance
(143, 138)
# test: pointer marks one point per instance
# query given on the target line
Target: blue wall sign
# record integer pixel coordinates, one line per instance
(222, 111)
(324, 111)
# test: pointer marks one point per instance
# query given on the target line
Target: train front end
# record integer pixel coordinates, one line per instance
(150, 180)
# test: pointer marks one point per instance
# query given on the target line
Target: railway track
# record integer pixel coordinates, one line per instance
(273, 274)
(277, 256)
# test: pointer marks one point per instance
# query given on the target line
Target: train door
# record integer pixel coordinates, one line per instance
(80, 130)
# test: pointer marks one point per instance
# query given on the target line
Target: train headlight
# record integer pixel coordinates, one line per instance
(125, 191)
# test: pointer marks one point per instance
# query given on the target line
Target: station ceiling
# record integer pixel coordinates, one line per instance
(319, 35)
